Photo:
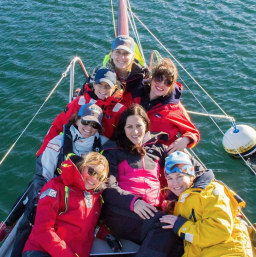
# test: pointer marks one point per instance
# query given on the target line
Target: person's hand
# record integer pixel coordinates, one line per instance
(114, 243)
(178, 145)
(144, 210)
(170, 219)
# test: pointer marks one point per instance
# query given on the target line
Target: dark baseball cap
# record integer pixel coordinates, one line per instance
(125, 43)
(106, 75)
(91, 112)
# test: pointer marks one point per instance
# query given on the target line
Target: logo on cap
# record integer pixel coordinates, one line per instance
(95, 112)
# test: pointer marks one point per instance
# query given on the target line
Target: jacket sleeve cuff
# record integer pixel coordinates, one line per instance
(133, 202)
(178, 224)
(193, 139)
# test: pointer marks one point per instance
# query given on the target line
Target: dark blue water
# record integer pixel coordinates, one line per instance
(214, 40)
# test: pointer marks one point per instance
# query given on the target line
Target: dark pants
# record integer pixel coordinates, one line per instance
(18, 207)
(154, 240)
(25, 225)
(35, 254)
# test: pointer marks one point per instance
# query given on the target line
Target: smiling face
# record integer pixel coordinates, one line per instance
(135, 129)
(85, 130)
(122, 59)
(91, 182)
(102, 90)
(179, 182)
(158, 89)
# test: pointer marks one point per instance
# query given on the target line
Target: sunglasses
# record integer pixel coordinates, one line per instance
(94, 124)
(160, 78)
(93, 173)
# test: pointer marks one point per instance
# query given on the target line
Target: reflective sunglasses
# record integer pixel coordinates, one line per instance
(93, 173)
(160, 78)
(94, 124)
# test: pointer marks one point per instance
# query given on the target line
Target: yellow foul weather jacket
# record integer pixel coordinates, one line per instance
(207, 220)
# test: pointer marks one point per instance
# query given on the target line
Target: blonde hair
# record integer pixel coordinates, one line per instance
(129, 68)
(95, 158)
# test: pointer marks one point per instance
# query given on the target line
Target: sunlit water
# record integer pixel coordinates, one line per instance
(214, 40)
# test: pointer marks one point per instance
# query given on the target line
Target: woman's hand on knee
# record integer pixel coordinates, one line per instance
(144, 210)
(169, 219)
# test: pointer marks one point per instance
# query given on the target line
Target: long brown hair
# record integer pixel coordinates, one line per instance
(166, 68)
(120, 136)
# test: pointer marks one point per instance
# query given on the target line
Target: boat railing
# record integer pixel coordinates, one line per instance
(71, 68)
(72, 76)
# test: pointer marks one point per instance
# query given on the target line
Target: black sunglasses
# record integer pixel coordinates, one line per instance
(93, 173)
(94, 124)
(160, 78)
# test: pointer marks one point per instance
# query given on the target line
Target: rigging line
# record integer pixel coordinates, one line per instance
(13, 209)
(136, 33)
(113, 17)
(133, 25)
(247, 220)
(196, 156)
(179, 63)
(64, 74)
(207, 113)
(212, 115)
(247, 164)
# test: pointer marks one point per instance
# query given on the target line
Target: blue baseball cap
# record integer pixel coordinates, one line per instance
(125, 43)
(106, 75)
(91, 112)
(178, 162)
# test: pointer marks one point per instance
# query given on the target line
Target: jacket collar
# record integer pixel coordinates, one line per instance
(70, 175)
(203, 180)
(72, 178)
(156, 136)
(144, 92)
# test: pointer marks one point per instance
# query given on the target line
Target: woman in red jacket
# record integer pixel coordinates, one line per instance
(161, 99)
(104, 93)
(68, 209)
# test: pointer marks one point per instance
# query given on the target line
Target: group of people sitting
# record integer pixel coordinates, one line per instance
(113, 160)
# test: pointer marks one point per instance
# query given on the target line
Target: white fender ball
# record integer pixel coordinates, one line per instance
(243, 139)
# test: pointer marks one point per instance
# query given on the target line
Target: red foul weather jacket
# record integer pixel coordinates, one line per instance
(112, 110)
(60, 229)
(166, 114)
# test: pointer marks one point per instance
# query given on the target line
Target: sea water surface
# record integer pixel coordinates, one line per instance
(214, 40)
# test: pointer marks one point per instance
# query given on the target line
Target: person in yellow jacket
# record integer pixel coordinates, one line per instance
(205, 211)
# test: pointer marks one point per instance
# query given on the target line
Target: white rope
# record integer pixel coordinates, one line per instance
(135, 31)
(137, 34)
(178, 62)
(187, 150)
(247, 164)
(248, 221)
(213, 115)
(63, 75)
(227, 117)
